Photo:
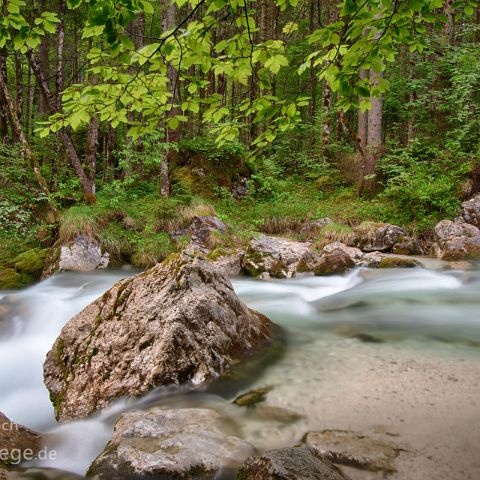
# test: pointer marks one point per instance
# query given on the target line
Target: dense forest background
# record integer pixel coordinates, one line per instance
(122, 120)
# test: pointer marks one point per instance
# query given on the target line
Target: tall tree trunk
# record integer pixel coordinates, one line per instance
(136, 31)
(91, 151)
(3, 100)
(19, 84)
(173, 135)
(449, 26)
(44, 60)
(362, 118)
(17, 126)
(59, 67)
(368, 182)
(64, 134)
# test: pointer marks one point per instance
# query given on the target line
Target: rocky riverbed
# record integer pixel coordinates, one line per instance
(375, 366)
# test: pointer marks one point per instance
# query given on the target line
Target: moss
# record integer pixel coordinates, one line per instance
(32, 261)
(217, 253)
(395, 262)
(10, 279)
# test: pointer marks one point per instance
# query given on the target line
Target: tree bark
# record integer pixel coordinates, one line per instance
(17, 126)
(3, 100)
(173, 135)
(64, 134)
(368, 182)
(362, 119)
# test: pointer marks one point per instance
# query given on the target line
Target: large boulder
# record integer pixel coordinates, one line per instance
(82, 254)
(456, 240)
(278, 257)
(381, 237)
(178, 323)
(17, 443)
(179, 444)
(297, 463)
(470, 212)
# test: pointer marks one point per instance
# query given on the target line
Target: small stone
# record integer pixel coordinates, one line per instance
(252, 397)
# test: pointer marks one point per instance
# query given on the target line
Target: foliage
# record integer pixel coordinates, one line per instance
(424, 182)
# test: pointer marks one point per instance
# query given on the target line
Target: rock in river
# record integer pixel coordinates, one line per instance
(371, 237)
(17, 442)
(183, 444)
(177, 323)
(456, 240)
(355, 450)
(297, 463)
(278, 257)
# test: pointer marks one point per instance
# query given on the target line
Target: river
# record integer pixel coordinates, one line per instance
(391, 353)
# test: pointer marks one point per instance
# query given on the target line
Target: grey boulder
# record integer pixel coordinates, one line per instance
(178, 323)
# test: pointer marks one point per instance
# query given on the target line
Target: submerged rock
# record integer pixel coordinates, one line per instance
(456, 240)
(252, 397)
(297, 463)
(177, 323)
(178, 444)
(351, 449)
(16, 442)
(43, 474)
(370, 237)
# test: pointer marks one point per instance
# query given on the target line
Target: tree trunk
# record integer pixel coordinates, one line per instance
(91, 151)
(64, 134)
(59, 67)
(3, 100)
(368, 182)
(17, 126)
(173, 135)
(362, 118)
(19, 85)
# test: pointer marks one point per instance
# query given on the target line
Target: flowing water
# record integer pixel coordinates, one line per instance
(386, 353)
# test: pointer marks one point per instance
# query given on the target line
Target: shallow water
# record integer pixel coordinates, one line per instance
(370, 351)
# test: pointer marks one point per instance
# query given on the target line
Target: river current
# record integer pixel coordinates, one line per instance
(381, 352)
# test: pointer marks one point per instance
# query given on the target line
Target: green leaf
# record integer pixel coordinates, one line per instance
(275, 63)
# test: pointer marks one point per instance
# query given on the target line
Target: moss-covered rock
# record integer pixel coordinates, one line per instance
(398, 262)
(10, 279)
(31, 262)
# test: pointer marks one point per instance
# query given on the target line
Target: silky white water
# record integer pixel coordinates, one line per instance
(418, 315)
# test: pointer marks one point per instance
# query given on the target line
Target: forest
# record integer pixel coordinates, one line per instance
(269, 113)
